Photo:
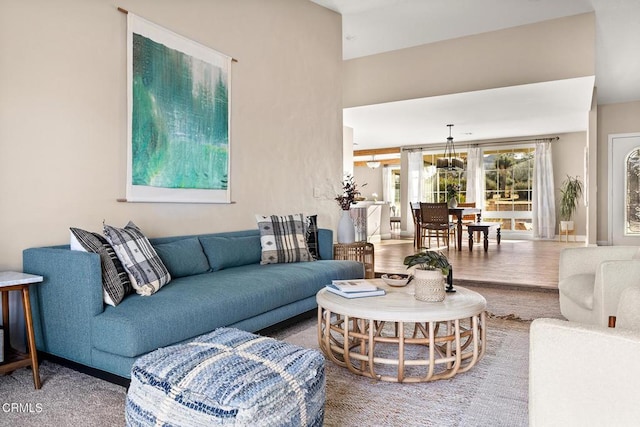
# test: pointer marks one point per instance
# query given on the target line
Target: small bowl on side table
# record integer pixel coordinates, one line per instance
(397, 280)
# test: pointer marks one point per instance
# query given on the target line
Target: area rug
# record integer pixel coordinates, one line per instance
(492, 393)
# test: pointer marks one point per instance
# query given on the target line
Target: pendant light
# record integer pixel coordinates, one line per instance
(450, 161)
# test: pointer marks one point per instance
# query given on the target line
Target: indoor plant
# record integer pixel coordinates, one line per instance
(570, 191)
(429, 275)
(452, 195)
(350, 192)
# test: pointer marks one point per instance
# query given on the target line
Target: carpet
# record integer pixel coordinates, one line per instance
(492, 393)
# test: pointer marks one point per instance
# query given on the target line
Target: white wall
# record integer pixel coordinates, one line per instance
(63, 115)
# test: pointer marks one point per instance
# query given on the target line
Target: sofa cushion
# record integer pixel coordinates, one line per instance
(115, 280)
(183, 257)
(226, 251)
(579, 289)
(193, 305)
(146, 270)
(283, 239)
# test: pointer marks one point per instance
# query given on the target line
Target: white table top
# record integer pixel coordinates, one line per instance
(400, 305)
(11, 278)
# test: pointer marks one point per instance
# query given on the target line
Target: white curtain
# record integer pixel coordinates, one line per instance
(544, 205)
(475, 176)
(415, 188)
(388, 190)
(429, 182)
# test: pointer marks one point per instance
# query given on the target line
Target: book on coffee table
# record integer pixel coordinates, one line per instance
(353, 285)
(361, 294)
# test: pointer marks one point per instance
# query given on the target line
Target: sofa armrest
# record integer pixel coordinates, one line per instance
(64, 304)
(613, 277)
(583, 375)
(325, 243)
(586, 259)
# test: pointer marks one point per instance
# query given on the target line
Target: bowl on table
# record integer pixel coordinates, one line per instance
(396, 279)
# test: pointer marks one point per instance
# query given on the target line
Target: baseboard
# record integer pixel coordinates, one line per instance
(94, 372)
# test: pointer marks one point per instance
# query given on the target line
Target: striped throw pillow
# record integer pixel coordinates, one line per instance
(283, 239)
(146, 270)
(115, 280)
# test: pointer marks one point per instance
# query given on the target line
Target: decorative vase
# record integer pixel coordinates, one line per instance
(429, 285)
(346, 229)
(453, 202)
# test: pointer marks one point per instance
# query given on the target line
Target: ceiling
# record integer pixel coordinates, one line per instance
(376, 26)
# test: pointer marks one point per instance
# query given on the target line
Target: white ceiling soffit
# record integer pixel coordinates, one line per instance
(375, 26)
(518, 111)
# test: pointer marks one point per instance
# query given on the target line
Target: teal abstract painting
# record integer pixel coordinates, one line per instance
(179, 118)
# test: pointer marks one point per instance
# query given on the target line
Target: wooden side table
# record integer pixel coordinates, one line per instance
(14, 359)
(358, 251)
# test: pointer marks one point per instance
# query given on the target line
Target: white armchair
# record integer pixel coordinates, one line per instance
(591, 280)
(586, 375)
(583, 375)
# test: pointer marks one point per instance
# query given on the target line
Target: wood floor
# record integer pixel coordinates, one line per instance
(512, 263)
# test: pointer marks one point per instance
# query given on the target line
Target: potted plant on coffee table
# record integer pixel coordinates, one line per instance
(570, 192)
(431, 268)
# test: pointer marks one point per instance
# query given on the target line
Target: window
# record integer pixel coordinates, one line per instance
(436, 180)
(632, 199)
(508, 187)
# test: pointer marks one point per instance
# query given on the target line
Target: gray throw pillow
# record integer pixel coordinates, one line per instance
(283, 239)
(146, 270)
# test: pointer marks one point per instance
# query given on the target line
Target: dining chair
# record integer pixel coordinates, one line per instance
(434, 217)
(415, 213)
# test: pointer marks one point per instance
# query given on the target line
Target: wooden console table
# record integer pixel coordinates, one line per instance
(14, 359)
(358, 251)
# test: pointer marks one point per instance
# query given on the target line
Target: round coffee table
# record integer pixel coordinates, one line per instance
(398, 338)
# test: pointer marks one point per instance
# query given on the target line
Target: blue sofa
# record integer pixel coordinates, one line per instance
(217, 281)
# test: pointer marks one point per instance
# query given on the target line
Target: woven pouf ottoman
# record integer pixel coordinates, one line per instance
(227, 377)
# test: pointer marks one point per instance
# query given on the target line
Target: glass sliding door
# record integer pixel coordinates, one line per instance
(509, 188)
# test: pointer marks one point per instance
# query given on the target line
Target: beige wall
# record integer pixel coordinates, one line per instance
(568, 159)
(63, 115)
(373, 179)
(612, 119)
(551, 50)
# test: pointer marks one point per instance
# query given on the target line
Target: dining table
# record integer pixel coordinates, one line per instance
(459, 213)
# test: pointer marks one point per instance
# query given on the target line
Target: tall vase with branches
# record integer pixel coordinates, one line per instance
(350, 191)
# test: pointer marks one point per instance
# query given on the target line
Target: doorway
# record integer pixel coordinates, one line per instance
(624, 189)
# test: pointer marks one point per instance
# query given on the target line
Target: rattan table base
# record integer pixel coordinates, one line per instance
(401, 351)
